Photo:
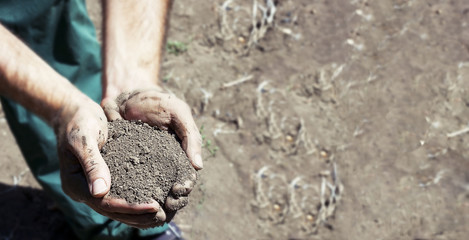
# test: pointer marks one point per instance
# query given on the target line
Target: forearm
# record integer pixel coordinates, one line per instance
(133, 42)
(28, 80)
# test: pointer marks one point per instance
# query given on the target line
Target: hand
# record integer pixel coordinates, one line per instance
(166, 111)
(81, 131)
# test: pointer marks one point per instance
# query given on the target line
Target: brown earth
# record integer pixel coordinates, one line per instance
(349, 119)
(144, 162)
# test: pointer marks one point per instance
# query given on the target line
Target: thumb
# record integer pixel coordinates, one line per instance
(186, 129)
(111, 109)
(191, 140)
(192, 144)
(94, 167)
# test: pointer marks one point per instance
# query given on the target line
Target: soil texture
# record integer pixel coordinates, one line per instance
(144, 161)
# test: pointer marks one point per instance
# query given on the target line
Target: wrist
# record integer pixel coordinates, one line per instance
(114, 85)
(68, 107)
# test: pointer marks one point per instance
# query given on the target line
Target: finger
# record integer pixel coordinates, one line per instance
(115, 205)
(111, 109)
(183, 189)
(146, 226)
(175, 204)
(71, 174)
(95, 169)
(147, 220)
(186, 129)
(184, 186)
(147, 107)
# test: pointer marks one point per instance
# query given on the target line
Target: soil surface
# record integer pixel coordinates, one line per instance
(329, 120)
(144, 161)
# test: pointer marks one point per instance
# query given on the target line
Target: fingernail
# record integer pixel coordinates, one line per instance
(99, 186)
(198, 161)
(161, 215)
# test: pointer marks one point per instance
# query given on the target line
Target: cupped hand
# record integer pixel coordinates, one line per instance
(81, 131)
(157, 108)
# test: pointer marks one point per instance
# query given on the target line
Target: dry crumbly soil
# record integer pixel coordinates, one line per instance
(350, 120)
(139, 174)
(144, 162)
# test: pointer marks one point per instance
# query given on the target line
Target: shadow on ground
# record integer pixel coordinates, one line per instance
(27, 213)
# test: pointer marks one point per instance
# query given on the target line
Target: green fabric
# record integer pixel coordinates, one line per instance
(61, 33)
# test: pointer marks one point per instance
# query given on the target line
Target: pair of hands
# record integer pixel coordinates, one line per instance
(82, 131)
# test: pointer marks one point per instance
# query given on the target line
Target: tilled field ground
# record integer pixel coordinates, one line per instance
(321, 120)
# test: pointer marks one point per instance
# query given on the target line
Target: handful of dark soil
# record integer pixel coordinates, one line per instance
(144, 162)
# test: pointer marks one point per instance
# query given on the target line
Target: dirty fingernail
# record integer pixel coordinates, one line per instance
(99, 186)
(161, 215)
(198, 161)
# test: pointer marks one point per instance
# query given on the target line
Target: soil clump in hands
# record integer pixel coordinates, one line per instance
(144, 162)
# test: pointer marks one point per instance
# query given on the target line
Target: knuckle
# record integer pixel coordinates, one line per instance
(183, 189)
(72, 137)
(177, 190)
(176, 204)
(189, 184)
(91, 167)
